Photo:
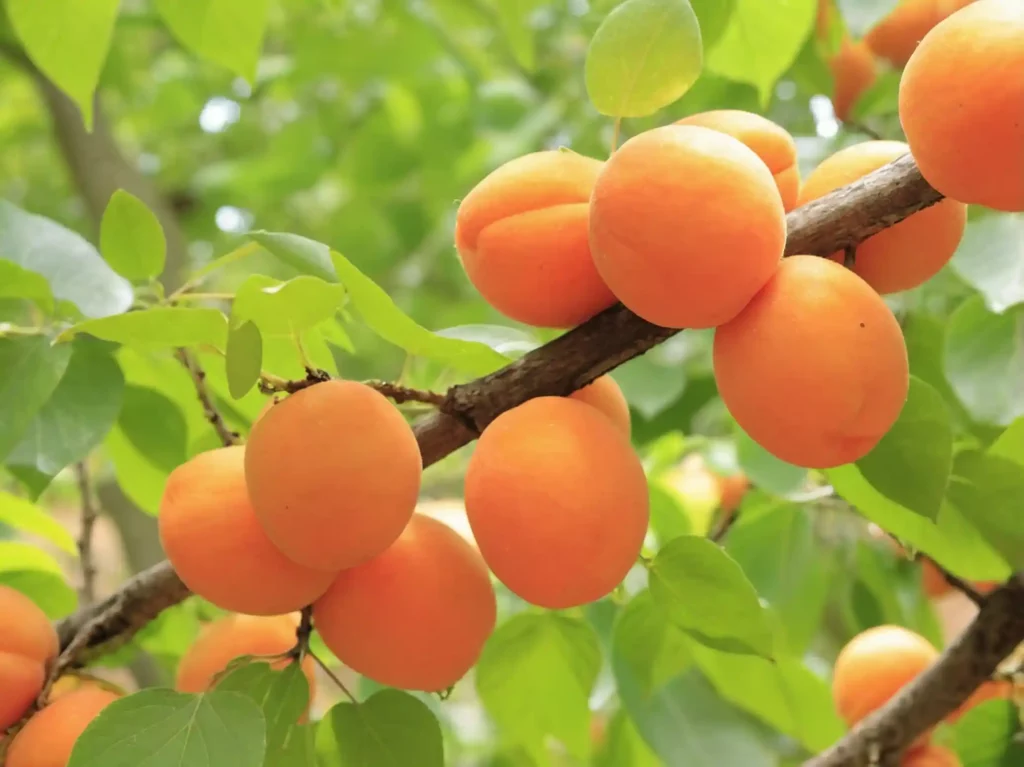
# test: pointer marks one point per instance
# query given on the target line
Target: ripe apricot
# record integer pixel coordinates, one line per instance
(27, 642)
(732, 488)
(930, 755)
(907, 254)
(333, 473)
(993, 689)
(415, 617)
(521, 235)
(932, 581)
(557, 501)
(874, 666)
(234, 636)
(604, 394)
(771, 142)
(895, 37)
(854, 71)
(215, 543)
(49, 737)
(960, 105)
(814, 369)
(686, 225)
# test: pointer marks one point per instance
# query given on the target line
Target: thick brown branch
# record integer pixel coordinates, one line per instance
(879, 741)
(213, 415)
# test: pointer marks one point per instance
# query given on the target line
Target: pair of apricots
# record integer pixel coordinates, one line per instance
(876, 664)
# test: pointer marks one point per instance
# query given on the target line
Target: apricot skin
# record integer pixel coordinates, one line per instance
(960, 105)
(930, 755)
(27, 642)
(521, 235)
(235, 636)
(604, 394)
(417, 616)
(557, 501)
(874, 666)
(899, 257)
(663, 240)
(210, 534)
(49, 737)
(333, 473)
(770, 141)
(895, 37)
(815, 368)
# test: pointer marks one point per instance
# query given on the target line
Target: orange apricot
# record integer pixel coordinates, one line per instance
(960, 105)
(49, 737)
(930, 755)
(415, 617)
(899, 257)
(557, 501)
(686, 225)
(814, 369)
(211, 536)
(28, 642)
(874, 666)
(236, 636)
(772, 143)
(521, 235)
(895, 37)
(732, 488)
(994, 689)
(333, 473)
(604, 394)
(933, 582)
(854, 71)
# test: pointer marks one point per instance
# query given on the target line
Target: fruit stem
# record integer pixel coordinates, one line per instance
(401, 394)
(333, 677)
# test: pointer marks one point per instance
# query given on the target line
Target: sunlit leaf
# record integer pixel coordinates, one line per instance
(158, 327)
(225, 32)
(283, 308)
(986, 735)
(991, 259)
(653, 649)
(154, 425)
(987, 490)
(25, 516)
(47, 589)
(18, 282)
(244, 358)
(131, 238)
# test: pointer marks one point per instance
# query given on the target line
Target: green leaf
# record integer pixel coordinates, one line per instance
(244, 360)
(391, 729)
(985, 361)
(283, 308)
(141, 481)
(1010, 444)
(131, 238)
(623, 746)
(45, 247)
(155, 426)
(68, 41)
(300, 253)
(911, 463)
(987, 490)
(951, 540)
(706, 593)
(861, 15)
(984, 737)
(765, 471)
(991, 259)
(645, 55)
(77, 416)
(164, 326)
(226, 32)
(48, 590)
(713, 16)
(925, 336)
(25, 516)
(30, 369)
(669, 518)
(17, 282)
(882, 98)
(652, 648)
(507, 341)
(649, 385)
(535, 677)
(762, 41)
(514, 18)
(163, 728)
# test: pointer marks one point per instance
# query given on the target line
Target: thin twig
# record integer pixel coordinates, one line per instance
(957, 583)
(850, 256)
(302, 634)
(227, 436)
(333, 677)
(401, 394)
(87, 593)
(724, 524)
(272, 384)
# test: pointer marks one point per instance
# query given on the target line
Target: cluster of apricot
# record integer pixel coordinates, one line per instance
(876, 664)
(28, 648)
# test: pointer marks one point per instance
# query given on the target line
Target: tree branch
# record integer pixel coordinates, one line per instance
(87, 593)
(213, 415)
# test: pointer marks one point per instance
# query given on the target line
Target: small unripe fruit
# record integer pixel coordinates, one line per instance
(49, 737)
(557, 501)
(686, 225)
(28, 642)
(210, 534)
(333, 473)
(604, 394)
(417, 616)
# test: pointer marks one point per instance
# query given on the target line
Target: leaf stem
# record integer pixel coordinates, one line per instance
(333, 677)
(616, 128)
(227, 436)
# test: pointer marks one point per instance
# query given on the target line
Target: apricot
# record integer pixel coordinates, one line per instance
(557, 501)
(235, 636)
(49, 737)
(415, 617)
(604, 394)
(28, 642)
(814, 369)
(874, 666)
(933, 582)
(854, 70)
(686, 225)
(770, 141)
(521, 236)
(960, 105)
(732, 488)
(930, 755)
(994, 689)
(907, 254)
(333, 473)
(895, 37)
(210, 534)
